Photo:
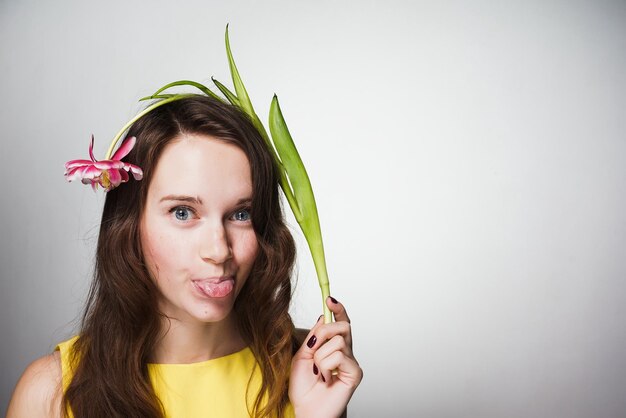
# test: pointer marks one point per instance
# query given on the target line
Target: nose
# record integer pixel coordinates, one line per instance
(215, 245)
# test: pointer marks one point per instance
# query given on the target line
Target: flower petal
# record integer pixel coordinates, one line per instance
(74, 173)
(115, 178)
(91, 172)
(136, 171)
(75, 163)
(91, 150)
(124, 175)
(108, 164)
(123, 150)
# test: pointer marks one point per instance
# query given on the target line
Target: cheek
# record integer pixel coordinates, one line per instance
(160, 253)
(246, 247)
(252, 246)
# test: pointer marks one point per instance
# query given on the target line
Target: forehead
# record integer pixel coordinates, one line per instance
(202, 166)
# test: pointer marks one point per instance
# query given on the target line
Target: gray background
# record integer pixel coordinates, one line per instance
(468, 162)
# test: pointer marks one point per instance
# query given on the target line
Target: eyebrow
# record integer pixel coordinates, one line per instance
(196, 199)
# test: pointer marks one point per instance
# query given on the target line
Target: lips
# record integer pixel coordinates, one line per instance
(214, 279)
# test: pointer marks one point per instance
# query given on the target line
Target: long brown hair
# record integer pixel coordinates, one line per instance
(121, 322)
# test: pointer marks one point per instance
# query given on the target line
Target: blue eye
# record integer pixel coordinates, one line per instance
(181, 212)
(242, 215)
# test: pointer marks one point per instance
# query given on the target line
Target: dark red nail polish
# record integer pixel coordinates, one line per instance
(311, 341)
(315, 371)
(323, 380)
(333, 299)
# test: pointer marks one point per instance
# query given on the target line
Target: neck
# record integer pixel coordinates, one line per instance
(192, 342)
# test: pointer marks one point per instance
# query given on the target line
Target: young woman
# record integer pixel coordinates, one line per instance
(187, 315)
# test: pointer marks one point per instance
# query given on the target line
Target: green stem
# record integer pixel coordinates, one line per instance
(139, 116)
(317, 250)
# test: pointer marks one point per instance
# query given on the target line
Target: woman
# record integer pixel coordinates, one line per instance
(192, 289)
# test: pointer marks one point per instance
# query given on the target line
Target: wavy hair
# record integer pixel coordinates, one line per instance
(121, 322)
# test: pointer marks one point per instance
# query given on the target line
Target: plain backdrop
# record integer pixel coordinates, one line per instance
(467, 159)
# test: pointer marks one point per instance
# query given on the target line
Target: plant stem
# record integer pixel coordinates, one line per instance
(136, 118)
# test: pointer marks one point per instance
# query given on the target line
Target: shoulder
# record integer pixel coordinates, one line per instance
(38, 392)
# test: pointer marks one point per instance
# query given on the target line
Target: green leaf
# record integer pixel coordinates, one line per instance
(204, 89)
(294, 167)
(242, 94)
(157, 96)
(227, 93)
(304, 207)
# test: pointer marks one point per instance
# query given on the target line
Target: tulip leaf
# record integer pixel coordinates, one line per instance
(227, 93)
(204, 89)
(156, 96)
(291, 160)
(305, 209)
(242, 94)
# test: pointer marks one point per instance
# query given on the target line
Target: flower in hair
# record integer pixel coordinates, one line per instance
(108, 173)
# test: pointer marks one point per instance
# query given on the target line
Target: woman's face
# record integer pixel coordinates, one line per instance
(196, 231)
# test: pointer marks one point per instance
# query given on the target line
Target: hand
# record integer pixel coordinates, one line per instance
(321, 394)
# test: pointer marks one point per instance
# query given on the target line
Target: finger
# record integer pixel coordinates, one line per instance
(337, 309)
(337, 343)
(325, 332)
(320, 334)
(349, 371)
(305, 351)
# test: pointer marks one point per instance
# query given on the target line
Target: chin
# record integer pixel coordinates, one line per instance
(210, 313)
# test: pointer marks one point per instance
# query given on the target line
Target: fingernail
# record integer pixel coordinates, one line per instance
(311, 341)
(315, 371)
(323, 380)
(333, 299)
(318, 319)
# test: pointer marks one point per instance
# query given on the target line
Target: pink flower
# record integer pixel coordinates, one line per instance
(108, 173)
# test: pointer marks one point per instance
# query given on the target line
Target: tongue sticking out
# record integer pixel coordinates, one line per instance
(216, 290)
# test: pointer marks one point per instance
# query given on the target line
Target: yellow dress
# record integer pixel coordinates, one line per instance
(211, 388)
